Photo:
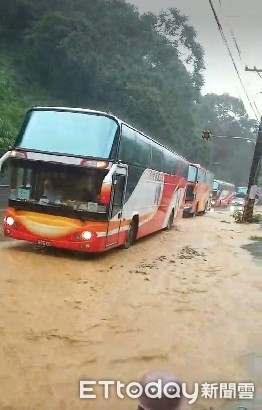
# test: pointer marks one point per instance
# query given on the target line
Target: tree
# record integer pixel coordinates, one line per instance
(112, 58)
(225, 115)
(182, 37)
(103, 54)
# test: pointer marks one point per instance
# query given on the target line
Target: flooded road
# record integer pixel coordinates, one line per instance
(188, 301)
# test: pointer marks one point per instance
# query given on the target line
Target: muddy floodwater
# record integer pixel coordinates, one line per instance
(188, 301)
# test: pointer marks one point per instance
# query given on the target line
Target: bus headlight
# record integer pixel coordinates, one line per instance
(10, 221)
(86, 235)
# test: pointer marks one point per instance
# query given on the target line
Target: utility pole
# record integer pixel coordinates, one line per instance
(255, 168)
(253, 178)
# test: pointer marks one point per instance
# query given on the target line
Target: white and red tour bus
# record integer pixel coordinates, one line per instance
(223, 193)
(87, 181)
(199, 190)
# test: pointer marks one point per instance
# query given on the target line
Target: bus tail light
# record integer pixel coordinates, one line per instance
(94, 164)
(105, 193)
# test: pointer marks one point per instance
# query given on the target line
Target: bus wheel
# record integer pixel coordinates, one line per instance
(170, 221)
(131, 234)
(206, 209)
(196, 212)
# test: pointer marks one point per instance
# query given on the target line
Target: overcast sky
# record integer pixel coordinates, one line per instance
(244, 18)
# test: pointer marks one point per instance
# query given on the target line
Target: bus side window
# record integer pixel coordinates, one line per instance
(184, 169)
(128, 146)
(157, 158)
(143, 151)
(170, 163)
(201, 176)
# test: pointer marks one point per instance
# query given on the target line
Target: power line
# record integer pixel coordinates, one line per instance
(236, 44)
(220, 28)
(240, 56)
(256, 108)
(233, 36)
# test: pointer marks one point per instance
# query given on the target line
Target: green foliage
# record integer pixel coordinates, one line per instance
(257, 218)
(238, 217)
(226, 116)
(102, 54)
(182, 36)
(11, 111)
(16, 97)
(256, 238)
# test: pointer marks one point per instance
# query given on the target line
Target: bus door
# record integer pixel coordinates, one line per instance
(115, 215)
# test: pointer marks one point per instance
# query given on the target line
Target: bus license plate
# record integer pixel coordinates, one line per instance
(43, 243)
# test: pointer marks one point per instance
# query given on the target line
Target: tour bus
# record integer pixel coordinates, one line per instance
(199, 190)
(85, 180)
(223, 194)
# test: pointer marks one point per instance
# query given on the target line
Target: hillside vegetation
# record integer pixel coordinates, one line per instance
(104, 55)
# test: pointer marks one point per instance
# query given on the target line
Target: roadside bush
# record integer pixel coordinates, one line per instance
(238, 217)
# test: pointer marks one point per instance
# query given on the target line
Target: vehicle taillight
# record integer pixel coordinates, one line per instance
(105, 193)
(94, 164)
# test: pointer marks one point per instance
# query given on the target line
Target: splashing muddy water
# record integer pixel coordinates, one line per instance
(187, 301)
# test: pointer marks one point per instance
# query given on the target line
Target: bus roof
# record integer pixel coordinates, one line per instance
(223, 182)
(200, 166)
(195, 165)
(74, 109)
(107, 114)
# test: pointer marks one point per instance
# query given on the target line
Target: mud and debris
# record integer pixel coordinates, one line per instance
(187, 300)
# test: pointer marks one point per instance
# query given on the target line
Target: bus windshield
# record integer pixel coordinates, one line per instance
(59, 186)
(192, 173)
(68, 132)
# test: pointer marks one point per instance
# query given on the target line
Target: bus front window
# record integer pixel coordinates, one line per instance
(69, 132)
(72, 188)
(215, 193)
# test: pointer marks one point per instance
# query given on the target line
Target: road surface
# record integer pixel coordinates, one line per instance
(188, 301)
